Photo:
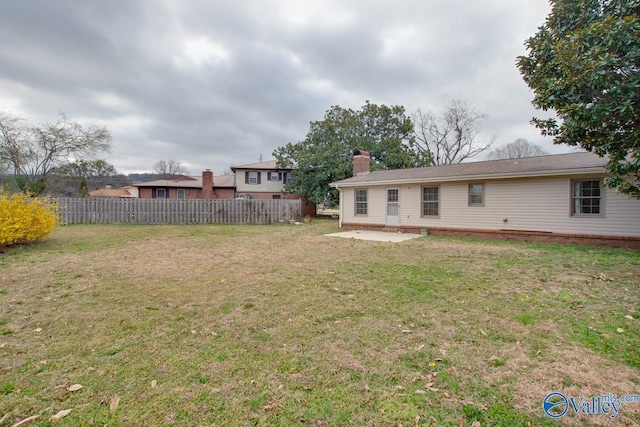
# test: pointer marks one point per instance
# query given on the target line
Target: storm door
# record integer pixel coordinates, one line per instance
(393, 206)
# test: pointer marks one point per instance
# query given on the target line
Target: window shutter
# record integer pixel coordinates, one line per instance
(246, 177)
(279, 176)
(285, 177)
(269, 176)
(153, 193)
(259, 174)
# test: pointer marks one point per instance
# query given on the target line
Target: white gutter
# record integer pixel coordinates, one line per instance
(340, 215)
(534, 174)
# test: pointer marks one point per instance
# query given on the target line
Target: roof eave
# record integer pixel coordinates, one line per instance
(511, 175)
(262, 168)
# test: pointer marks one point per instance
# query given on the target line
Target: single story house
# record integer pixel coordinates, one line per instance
(206, 186)
(555, 198)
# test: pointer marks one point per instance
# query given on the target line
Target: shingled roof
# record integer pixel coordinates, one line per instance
(190, 182)
(558, 164)
(266, 165)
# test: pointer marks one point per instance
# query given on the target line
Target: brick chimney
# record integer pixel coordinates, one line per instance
(361, 162)
(207, 184)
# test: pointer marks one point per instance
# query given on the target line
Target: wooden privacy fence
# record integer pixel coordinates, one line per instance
(172, 211)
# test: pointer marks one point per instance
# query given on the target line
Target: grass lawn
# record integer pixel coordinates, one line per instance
(281, 325)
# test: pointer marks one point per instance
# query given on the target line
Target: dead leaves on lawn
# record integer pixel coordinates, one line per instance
(26, 421)
(75, 387)
(59, 415)
(271, 406)
(429, 383)
(56, 417)
(113, 405)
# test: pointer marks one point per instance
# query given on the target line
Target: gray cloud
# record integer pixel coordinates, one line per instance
(212, 84)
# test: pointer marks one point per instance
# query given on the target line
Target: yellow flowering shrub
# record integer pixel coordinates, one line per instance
(25, 219)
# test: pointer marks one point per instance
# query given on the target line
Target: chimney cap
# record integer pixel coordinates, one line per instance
(361, 153)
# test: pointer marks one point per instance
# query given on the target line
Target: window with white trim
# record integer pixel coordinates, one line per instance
(181, 193)
(430, 201)
(586, 198)
(273, 176)
(476, 194)
(252, 178)
(361, 202)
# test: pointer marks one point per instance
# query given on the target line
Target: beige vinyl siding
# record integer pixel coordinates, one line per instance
(264, 186)
(375, 206)
(536, 204)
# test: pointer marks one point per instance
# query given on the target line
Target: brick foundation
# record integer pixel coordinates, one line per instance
(516, 235)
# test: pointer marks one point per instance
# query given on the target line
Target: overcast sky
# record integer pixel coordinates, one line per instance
(216, 83)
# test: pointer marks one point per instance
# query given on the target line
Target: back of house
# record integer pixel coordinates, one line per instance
(546, 198)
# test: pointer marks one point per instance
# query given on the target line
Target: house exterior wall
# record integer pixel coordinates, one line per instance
(265, 184)
(144, 192)
(224, 193)
(536, 204)
(190, 193)
(308, 208)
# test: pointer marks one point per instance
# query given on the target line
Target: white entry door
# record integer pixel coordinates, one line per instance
(393, 206)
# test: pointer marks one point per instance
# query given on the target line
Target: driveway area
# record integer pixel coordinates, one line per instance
(378, 236)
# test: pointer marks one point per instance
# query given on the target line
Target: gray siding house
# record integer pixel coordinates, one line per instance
(546, 198)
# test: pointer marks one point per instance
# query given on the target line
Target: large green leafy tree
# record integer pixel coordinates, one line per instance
(584, 65)
(326, 153)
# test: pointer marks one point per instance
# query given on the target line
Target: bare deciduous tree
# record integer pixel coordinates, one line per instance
(34, 151)
(451, 137)
(516, 150)
(167, 169)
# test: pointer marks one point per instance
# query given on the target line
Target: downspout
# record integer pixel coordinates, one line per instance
(340, 216)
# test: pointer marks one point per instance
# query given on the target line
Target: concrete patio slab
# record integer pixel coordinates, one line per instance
(378, 236)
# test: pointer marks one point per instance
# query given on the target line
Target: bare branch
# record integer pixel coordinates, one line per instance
(168, 169)
(33, 151)
(516, 150)
(451, 137)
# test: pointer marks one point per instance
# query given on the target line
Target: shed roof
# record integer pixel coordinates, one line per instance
(111, 192)
(557, 164)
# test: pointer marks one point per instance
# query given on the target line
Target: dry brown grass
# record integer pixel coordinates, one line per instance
(281, 325)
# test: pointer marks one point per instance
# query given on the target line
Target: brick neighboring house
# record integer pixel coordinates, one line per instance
(206, 186)
(263, 180)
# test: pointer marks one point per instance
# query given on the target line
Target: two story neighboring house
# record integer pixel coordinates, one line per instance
(263, 180)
